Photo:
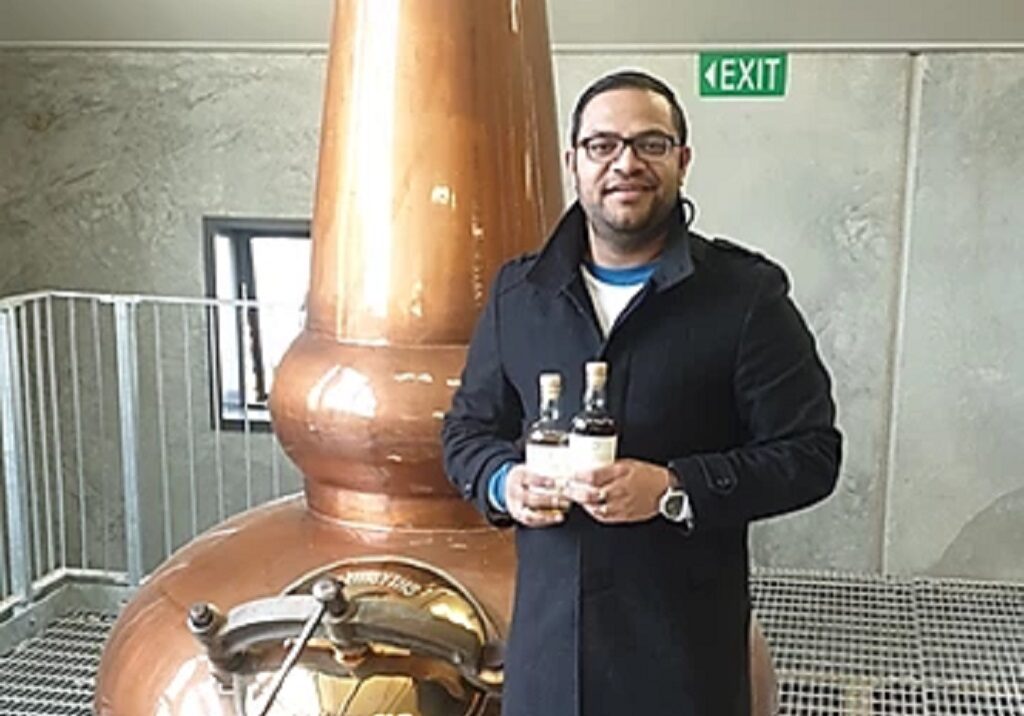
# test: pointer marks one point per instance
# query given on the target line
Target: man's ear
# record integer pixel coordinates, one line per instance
(685, 158)
(570, 160)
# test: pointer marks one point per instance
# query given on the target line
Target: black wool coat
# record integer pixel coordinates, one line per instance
(712, 372)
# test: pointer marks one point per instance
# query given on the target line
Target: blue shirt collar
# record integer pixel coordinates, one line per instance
(630, 276)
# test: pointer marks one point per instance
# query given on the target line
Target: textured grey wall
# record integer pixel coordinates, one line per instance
(109, 159)
(957, 495)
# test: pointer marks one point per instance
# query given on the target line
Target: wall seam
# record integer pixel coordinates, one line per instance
(557, 48)
(897, 338)
(662, 48)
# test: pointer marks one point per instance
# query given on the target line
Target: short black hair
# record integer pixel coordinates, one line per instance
(628, 79)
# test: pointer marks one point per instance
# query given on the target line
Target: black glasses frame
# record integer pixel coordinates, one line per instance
(630, 142)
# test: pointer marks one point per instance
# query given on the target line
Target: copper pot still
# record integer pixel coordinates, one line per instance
(379, 591)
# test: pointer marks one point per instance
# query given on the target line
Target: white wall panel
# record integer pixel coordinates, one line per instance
(957, 503)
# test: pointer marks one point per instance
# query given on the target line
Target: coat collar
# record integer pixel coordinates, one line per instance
(558, 263)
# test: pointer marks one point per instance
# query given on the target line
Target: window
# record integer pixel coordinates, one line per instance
(248, 261)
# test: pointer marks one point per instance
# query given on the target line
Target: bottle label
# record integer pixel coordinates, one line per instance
(547, 460)
(550, 461)
(589, 453)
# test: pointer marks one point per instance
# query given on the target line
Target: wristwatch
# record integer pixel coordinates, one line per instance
(674, 504)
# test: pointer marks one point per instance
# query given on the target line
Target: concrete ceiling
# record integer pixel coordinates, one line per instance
(573, 22)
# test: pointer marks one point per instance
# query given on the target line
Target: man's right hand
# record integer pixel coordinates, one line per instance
(533, 500)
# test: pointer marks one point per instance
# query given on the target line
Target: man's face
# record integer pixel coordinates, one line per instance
(628, 198)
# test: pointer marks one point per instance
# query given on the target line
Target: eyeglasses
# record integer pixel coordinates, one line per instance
(646, 145)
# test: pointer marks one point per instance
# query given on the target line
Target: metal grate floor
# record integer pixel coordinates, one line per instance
(53, 673)
(881, 646)
(843, 645)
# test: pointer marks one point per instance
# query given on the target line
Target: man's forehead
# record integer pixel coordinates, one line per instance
(627, 106)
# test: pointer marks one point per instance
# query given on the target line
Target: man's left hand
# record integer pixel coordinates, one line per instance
(625, 491)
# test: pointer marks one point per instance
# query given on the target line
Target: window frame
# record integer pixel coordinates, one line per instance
(241, 231)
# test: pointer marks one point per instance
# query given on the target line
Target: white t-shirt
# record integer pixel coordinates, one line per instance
(611, 290)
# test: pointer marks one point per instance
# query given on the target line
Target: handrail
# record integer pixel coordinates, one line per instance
(20, 299)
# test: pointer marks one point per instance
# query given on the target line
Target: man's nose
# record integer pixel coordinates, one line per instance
(628, 162)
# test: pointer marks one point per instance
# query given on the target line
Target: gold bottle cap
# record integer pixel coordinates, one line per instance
(596, 371)
(550, 385)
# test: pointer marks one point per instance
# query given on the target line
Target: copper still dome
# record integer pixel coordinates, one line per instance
(378, 591)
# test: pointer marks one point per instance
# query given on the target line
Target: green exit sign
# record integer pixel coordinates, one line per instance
(743, 74)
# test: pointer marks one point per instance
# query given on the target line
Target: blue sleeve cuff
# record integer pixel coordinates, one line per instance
(496, 487)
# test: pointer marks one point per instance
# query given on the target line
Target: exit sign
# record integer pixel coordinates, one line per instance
(743, 74)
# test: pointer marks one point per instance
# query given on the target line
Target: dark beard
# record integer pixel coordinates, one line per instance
(631, 239)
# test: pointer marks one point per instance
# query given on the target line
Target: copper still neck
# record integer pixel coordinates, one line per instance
(438, 161)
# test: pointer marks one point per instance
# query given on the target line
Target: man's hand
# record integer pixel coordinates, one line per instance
(625, 491)
(533, 500)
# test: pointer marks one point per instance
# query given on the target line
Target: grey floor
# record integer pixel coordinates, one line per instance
(54, 673)
(850, 645)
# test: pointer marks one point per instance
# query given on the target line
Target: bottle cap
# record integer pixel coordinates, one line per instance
(596, 371)
(550, 384)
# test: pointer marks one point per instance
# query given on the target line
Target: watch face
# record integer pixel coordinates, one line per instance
(672, 504)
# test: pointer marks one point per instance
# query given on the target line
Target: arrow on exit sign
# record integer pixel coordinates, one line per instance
(743, 74)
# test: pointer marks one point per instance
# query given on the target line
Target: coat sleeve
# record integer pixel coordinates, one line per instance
(783, 396)
(480, 430)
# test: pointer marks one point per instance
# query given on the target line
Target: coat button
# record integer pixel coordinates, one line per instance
(724, 483)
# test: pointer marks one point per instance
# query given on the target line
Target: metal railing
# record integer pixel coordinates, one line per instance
(118, 444)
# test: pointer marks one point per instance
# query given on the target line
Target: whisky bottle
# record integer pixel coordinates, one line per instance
(547, 444)
(593, 434)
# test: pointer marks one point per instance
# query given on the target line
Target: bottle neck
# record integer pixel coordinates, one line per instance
(549, 408)
(594, 398)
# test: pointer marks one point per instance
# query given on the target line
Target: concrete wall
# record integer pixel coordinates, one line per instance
(956, 495)
(108, 160)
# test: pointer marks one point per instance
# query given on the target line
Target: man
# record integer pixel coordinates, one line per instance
(634, 598)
